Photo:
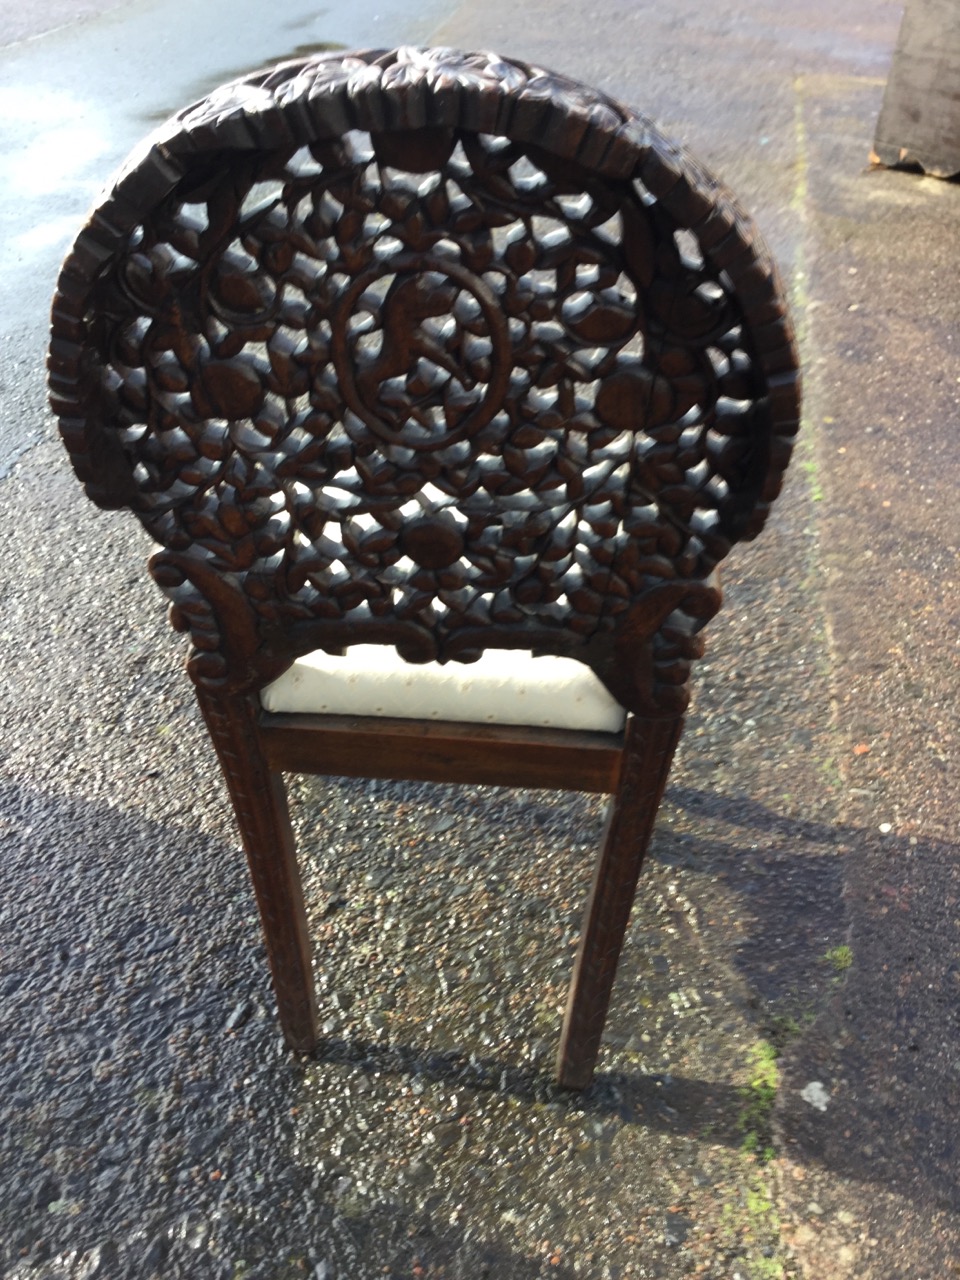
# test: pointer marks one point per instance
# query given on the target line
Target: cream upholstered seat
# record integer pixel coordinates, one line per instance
(504, 686)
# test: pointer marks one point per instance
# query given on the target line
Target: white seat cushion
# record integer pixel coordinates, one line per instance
(506, 686)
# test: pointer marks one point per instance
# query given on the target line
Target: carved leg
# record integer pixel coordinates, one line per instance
(260, 803)
(648, 754)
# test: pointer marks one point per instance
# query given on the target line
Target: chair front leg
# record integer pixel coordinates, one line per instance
(647, 755)
(260, 803)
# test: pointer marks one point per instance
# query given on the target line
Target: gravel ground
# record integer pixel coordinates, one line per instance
(801, 898)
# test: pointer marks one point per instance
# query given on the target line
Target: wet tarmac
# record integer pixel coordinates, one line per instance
(780, 1079)
(75, 100)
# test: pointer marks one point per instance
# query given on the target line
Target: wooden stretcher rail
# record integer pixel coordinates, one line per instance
(440, 751)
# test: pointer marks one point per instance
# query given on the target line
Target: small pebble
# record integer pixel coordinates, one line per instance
(239, 1016)
(676, 1229)
(816, 1095)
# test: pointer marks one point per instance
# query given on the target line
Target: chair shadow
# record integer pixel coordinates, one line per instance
(660, 1101)
(885, 1029)
(787, 880)
(124, 1057)
(788, 877)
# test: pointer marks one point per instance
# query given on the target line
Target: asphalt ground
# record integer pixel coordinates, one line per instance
(779, 1087)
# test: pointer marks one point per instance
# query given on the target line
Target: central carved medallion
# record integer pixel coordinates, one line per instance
(434, 542)
(421, 351)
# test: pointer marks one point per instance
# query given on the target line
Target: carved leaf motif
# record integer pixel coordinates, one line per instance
(634, 399)
(231, 389)
(604, 322)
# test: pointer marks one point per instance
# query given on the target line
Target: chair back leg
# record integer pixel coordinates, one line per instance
(648, 754)
(260, 803)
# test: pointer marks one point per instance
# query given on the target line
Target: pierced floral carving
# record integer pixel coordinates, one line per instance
(424, 341)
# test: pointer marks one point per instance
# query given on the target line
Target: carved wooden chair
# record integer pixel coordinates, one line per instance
(453, 366)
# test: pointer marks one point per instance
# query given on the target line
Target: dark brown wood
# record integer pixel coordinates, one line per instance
(496, 375)
(260, 804)
(437, 751)
(648, 754)
(919, 124)
(440, 351)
